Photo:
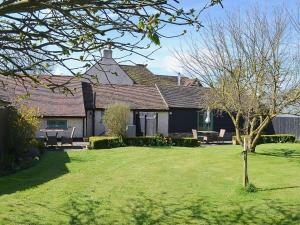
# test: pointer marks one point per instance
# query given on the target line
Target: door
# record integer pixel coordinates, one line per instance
(201, 124)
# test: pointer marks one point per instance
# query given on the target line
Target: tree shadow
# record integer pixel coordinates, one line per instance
(286, 153)
(278, 188)
(144, 210)
(51, 166)
(86, 209)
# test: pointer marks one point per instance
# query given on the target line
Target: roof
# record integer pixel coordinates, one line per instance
(138, 97)
(192, 97)
(184, 81)
(141, 75)
(50, 103)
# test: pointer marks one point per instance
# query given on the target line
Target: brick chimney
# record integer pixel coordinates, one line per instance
(107, 53)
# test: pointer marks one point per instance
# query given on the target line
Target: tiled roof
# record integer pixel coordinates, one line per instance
(141, 75)
(138, 97)
(50, 103)
(184, 96)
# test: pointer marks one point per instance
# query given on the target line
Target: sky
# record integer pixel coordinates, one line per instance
(164, 62)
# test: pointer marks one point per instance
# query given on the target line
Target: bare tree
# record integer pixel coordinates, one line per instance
(250, 65)
(36, 34)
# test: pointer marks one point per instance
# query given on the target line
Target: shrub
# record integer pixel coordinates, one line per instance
(148, 141)
(185, 142)
(273, 138)
(116, 119)
(105, 142)
(23, 124)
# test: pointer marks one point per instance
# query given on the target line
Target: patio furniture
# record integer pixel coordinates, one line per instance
(51, 140)
(208, 135)
(221, 135)
(68, 140)
(195, 136)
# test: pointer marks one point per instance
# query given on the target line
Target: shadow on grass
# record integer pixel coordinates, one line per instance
(145, 210)
(278, 188)
(51, 166)
(85, 209)
(286, 153)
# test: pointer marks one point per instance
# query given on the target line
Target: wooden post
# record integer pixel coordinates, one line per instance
(145, 126)
(245, 156)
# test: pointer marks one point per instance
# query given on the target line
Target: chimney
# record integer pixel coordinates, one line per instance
(107, 53)
(178, 79)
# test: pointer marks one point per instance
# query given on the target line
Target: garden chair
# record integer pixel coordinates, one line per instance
(221, 135)
(68, 140)
(51, 140)
(195, 136)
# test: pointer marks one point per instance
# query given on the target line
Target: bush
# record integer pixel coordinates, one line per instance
(148, 141)
(273, 138)
(23, 123)
(114, 142)
(105, 142)
(185, 142)
(116, 119)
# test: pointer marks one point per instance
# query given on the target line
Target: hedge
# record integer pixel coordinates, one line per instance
(273, 138)
(185, 142)
(102, 142)
(148, 141)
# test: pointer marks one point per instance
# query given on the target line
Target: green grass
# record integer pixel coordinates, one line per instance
(155, 186)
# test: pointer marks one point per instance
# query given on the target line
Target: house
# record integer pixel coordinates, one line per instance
(108, 71)
(59, 108)
(159, 104)
(149, 112)
(181, 99)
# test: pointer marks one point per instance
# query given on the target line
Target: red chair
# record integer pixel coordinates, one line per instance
(221, 135)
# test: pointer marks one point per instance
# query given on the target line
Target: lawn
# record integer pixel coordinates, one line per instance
(155, 186)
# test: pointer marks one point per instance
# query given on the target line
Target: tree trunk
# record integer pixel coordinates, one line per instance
(253, 142)
(245, 156)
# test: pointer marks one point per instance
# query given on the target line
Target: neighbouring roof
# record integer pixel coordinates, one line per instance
(141, 75)
(50, 103)
(184, 81)
(192, 97)
(138, 97)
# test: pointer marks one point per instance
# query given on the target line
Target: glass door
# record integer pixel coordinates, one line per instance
(201, 124)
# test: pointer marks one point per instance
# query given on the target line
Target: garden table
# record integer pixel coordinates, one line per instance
(46, 131)
(208, 135)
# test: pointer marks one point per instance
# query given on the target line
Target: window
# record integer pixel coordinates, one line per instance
(201, 124)
(57, 124)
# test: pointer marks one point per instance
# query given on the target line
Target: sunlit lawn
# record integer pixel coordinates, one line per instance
(155, 186)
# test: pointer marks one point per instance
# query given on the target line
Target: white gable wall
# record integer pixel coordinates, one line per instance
(107, 71)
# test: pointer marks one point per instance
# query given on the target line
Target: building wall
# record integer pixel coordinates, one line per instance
(108, 71)
(182, 120)
(163, 121)
(72, 122)
(285, 125)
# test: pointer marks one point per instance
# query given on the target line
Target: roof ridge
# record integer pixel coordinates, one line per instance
(162, 96)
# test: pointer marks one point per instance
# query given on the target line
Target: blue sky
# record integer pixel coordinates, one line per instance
(163, 61)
